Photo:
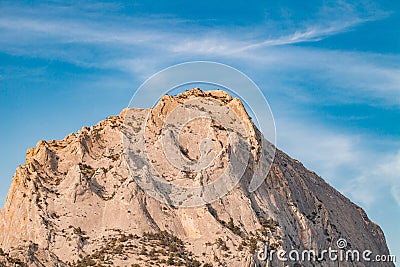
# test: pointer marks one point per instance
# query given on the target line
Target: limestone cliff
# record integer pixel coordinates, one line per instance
(75, 202)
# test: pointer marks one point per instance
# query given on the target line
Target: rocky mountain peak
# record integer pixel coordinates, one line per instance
(98, 197)
(195, 97)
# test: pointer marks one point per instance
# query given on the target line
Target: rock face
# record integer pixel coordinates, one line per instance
(75, 203)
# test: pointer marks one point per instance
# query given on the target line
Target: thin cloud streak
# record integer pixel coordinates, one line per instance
(143, 50)
(224, 46)
(359, 171)
(328, 151)
(382, 176)
(312, 34)
(68, 30)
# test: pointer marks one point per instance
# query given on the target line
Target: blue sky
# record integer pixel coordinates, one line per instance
(330, 71)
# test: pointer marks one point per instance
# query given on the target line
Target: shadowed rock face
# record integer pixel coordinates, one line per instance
(75, 202)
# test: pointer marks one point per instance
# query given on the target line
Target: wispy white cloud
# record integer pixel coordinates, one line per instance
(395, 191)
(379, 174)
(311, 34)
(70, 31)
(359, 191)
(140, 49)
(326, 151)
(389, 171)
(359, 171)
(231, 45)
(184, 37)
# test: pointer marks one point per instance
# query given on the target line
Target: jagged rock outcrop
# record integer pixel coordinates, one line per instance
(75, 203)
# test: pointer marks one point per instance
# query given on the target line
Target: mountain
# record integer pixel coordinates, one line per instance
(87, 200)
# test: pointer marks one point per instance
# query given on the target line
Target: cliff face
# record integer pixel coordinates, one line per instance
(78, 202)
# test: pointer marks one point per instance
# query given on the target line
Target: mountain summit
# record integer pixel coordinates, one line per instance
(144, 189)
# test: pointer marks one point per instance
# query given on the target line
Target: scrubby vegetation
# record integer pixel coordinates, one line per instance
(7, 260)
(156, 248)
(87, 170)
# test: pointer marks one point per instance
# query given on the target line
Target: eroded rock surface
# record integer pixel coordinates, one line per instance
(75, 203)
